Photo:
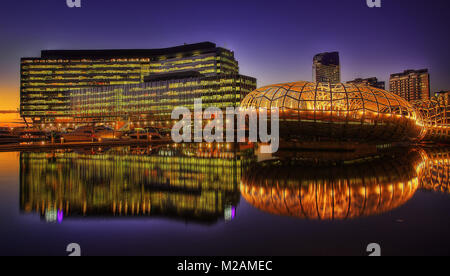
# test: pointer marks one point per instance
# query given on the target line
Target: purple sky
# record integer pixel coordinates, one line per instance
(274, 41)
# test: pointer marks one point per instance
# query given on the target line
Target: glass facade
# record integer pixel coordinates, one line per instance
(153, 102)
(46, 82)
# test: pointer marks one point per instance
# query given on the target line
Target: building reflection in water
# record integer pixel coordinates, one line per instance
(194, 183)
(201, 183)
(350, 189)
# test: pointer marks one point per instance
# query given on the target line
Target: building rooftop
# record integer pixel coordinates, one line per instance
(329, 58)
(407, 72)
(366, 79)
(127, 53)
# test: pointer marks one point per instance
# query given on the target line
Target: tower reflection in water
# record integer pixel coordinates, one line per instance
(351, 189)
(194, 183)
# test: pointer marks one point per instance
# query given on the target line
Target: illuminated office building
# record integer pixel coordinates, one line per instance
(411, 85)
(153, 101)
(47, 81)
(369, 82)
(327, 68)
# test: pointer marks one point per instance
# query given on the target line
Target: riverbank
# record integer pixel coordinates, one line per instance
(52, 146)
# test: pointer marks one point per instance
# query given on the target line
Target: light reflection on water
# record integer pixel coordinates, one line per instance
(221, 188)
(351, 189)
(180, 183)
(205, 184)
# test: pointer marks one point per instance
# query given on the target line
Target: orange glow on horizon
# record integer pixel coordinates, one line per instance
(9, 162)
(10, 97)
(10, 119)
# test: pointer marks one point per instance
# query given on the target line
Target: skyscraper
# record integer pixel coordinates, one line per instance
(326, 68)
(370, 82)
(412, 85)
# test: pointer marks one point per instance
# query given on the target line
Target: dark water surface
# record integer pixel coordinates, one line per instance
(205, 201)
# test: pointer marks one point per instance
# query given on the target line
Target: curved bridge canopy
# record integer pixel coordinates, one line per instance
(341, 111)
(436, 116)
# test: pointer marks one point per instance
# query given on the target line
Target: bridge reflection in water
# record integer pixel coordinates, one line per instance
(435, 170)
(351, 189)
(185, 182)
